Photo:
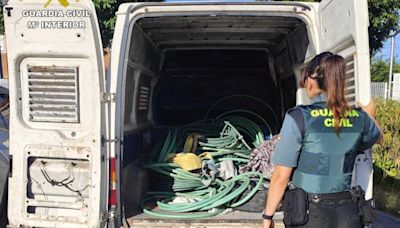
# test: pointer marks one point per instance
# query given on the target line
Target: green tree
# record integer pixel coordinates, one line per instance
(105, 10)
(1, 21)
(384, 17)
(380, 69)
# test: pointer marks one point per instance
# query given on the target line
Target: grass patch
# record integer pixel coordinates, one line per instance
(386, 193)
(386, 158)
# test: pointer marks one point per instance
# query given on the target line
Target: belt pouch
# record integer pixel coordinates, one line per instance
(295, 207)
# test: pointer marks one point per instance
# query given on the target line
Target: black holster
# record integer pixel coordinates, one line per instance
(295, 207)
(364, 206)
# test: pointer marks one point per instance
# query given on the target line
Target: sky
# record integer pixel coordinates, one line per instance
(385, 51)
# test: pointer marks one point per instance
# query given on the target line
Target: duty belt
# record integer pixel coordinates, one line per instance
(316, 197)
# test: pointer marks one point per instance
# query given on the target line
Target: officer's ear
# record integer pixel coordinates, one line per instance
(310, 83)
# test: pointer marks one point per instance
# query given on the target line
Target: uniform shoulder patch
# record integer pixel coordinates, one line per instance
(297, 114)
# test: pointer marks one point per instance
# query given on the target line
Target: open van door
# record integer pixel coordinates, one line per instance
(343, 26)
(58, 158)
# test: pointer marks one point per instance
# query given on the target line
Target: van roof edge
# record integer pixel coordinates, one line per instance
(138, 6)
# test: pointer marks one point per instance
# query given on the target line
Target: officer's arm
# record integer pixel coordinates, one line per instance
(279, 181)
(370, 109)
(285, 158)
(380, 139)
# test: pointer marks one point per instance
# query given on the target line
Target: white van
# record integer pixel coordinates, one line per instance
(76, 134)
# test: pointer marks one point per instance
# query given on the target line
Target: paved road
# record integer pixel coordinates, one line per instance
(384, 220)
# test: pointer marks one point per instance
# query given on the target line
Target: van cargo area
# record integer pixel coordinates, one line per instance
(182, 69)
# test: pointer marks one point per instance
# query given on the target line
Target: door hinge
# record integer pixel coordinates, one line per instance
(108, 97)
(104, 140)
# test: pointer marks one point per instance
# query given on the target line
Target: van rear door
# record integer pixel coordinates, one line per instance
(57, 118)
(343, 29)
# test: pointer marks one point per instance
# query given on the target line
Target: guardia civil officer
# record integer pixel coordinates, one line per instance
(319, 143)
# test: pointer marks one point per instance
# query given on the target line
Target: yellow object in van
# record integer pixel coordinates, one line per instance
(187, 161)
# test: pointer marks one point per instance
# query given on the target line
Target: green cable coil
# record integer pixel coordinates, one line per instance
(225, 139)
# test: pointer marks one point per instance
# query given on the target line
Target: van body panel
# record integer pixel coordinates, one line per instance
(343, 27)
(59, 171)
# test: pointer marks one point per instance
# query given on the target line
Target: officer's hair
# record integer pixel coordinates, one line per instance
(333, 70)
(329, 71)
(311, 67)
